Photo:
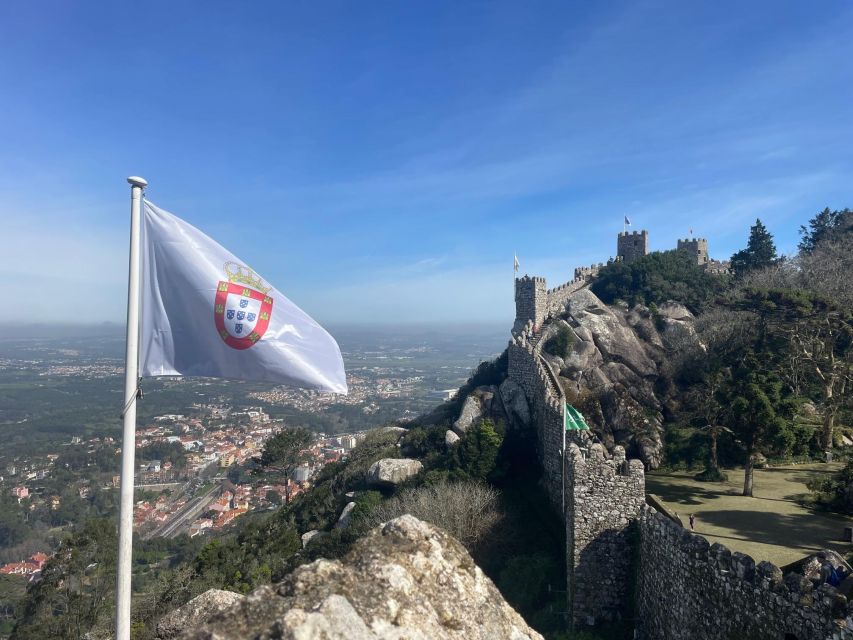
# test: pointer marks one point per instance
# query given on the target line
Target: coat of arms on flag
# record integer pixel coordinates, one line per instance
(242, 309)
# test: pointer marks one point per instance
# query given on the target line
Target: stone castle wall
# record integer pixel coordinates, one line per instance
(695, 247)
(531, 302)
(530, 371)
(535, 303)
(690, 589)
(603, 502)
(632, 246)
(558, 297)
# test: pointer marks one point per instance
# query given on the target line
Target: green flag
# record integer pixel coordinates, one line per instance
(574, 420)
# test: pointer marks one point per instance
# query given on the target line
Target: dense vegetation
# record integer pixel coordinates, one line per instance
(770, 373)
(656, 278)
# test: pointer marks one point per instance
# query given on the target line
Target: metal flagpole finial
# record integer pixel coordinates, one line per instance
(136, 181)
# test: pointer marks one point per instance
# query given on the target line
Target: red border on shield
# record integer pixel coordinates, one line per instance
(265, 313)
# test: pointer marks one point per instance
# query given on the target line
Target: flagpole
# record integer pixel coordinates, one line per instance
(563, 463)
(128, 444)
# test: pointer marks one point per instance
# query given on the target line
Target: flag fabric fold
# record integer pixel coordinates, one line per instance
(205, 313)
(574, 420)
(627, 221)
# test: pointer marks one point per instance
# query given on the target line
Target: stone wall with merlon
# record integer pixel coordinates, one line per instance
(604, 498)
(527, 368)
(558, 297)
(690, 589)
(531, 302)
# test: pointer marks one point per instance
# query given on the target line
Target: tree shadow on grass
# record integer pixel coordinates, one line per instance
(685, 494)
(784, 530)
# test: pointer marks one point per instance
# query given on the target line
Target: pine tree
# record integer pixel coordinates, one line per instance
(760, 251)
(826, 225)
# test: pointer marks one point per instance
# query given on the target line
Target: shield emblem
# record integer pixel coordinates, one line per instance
(242, 314)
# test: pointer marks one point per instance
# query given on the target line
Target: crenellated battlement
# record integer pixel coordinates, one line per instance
(604, 495)
(696, 248)
(633, 245)
(689, 588)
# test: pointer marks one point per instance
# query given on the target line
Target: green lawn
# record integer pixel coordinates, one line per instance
(771, 525)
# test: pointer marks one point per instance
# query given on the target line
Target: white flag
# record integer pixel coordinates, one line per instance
(205, 313)
(515, 264)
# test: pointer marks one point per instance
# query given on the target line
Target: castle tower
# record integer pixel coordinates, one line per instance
(632, 246)
(531, 302)
(603, 499)
(696, 247)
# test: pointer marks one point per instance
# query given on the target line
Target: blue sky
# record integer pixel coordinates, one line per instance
(381, 162)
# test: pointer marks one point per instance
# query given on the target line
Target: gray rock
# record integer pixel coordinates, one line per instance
(582, 333)
(393, 471)
(450, 438)
(583, 357)
(311, 536)
(345, 517)
(196, 612)
(677, 334)
(472, 411)
(515, 402)
(406, 579)
(674, 311)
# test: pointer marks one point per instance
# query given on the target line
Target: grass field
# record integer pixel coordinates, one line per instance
(772, 525)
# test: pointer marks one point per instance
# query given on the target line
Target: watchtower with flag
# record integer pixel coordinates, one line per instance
(632, 246)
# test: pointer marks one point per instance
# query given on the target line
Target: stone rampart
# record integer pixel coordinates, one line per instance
(690, 589)
(529, 370)
(558, 297)
(604, 497)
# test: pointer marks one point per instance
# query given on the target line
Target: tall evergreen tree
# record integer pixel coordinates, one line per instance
(760, 251)
(826, 225)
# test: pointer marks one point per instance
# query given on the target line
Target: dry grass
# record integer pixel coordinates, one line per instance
(772, 525)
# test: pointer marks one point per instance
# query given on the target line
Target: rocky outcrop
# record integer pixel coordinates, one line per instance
(346, 516)
(392, 471)
(450, 438)
(196, 612)
(472, 411)
(406, 579)
(515, 402)
(613, 370)
(310, 536)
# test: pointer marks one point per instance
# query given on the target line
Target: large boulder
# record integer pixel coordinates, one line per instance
(393, 471)
(346, 516)
(674, 311)
(450, 438)
(472, 411)
(406, 579)
(312, 536)
(616, 370)
(196, 612)
(515, 402)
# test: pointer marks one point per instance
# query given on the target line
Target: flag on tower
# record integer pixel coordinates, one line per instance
(627, 221)
(515, 264)
(205, 313)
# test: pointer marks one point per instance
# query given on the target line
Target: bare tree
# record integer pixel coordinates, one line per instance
(466, 510)
(827, 269)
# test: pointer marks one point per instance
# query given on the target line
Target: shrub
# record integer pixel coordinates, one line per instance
(560, 343)
(466, 510)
